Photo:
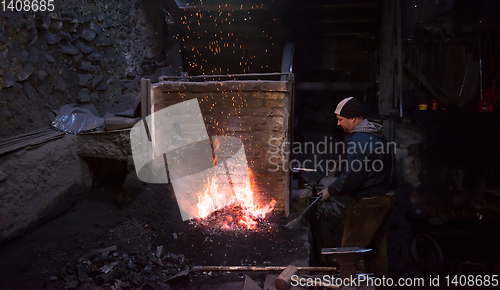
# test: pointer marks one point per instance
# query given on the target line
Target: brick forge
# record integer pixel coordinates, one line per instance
(256, 112)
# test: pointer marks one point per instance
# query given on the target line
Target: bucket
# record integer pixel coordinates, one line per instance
(422, 107)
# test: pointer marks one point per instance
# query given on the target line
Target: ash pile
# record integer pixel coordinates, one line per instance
(108, 268)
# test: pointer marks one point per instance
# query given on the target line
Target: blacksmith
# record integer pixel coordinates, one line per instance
(367, 179)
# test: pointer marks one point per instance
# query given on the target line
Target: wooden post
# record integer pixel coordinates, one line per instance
(400, 58)
(387, 52)
(145, 105)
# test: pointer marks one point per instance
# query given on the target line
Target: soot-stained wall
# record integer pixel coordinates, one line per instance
(82, 51)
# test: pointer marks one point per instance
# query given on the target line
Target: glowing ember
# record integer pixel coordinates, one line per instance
(237, 211)
(228, 200)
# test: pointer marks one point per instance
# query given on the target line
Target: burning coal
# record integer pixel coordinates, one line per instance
(240, 211)
(228, 199)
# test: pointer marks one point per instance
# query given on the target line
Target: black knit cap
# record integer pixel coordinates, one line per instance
(349, 108)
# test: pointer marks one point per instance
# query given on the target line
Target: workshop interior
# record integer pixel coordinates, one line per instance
(176, 144)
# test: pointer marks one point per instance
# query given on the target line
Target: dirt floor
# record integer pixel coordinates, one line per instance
(50, 256)
(130, 235)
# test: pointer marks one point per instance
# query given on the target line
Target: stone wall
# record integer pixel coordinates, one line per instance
(254, 112)
(83, 51)
(40, 183)
(449, 164)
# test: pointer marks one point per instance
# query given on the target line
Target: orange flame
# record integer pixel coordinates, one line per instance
(210, 201)
(213, 199)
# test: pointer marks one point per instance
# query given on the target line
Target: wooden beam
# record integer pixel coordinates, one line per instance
(400, 58)
(387, 51)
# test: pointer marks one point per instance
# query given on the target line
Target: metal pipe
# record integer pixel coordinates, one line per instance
(224, 76)
(467, 69)
(259, 268)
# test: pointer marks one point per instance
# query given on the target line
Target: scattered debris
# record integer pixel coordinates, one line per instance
(107, 268)
(159, 249)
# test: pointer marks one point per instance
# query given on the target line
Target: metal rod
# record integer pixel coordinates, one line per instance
(259, 268)
(223, 76)
(467, 69)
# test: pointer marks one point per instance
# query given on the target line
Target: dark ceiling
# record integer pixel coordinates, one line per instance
(242, 36)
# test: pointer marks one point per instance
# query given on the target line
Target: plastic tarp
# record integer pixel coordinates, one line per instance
(77, 119)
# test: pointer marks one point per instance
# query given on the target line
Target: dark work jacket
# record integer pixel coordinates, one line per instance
(373, 177)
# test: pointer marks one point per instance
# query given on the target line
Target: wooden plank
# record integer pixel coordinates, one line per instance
(24, 137)
(37, 140)
(14, 138)
(145, 95)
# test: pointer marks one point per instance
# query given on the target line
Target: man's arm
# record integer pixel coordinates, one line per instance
(354, 177)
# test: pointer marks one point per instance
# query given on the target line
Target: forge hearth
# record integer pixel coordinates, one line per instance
(247, 123)
(234, 217)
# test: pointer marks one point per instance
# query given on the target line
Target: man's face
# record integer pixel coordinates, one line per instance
(345, 123)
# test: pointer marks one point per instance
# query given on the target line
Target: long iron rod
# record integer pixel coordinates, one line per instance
(258, 268)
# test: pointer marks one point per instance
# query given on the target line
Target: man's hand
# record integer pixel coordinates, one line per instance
(326, 195)
(329, 206)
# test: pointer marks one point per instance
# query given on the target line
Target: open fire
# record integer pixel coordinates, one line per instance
(240, 211)
(231, 205)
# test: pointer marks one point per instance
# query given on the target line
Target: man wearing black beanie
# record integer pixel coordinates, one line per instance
(367, 179)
